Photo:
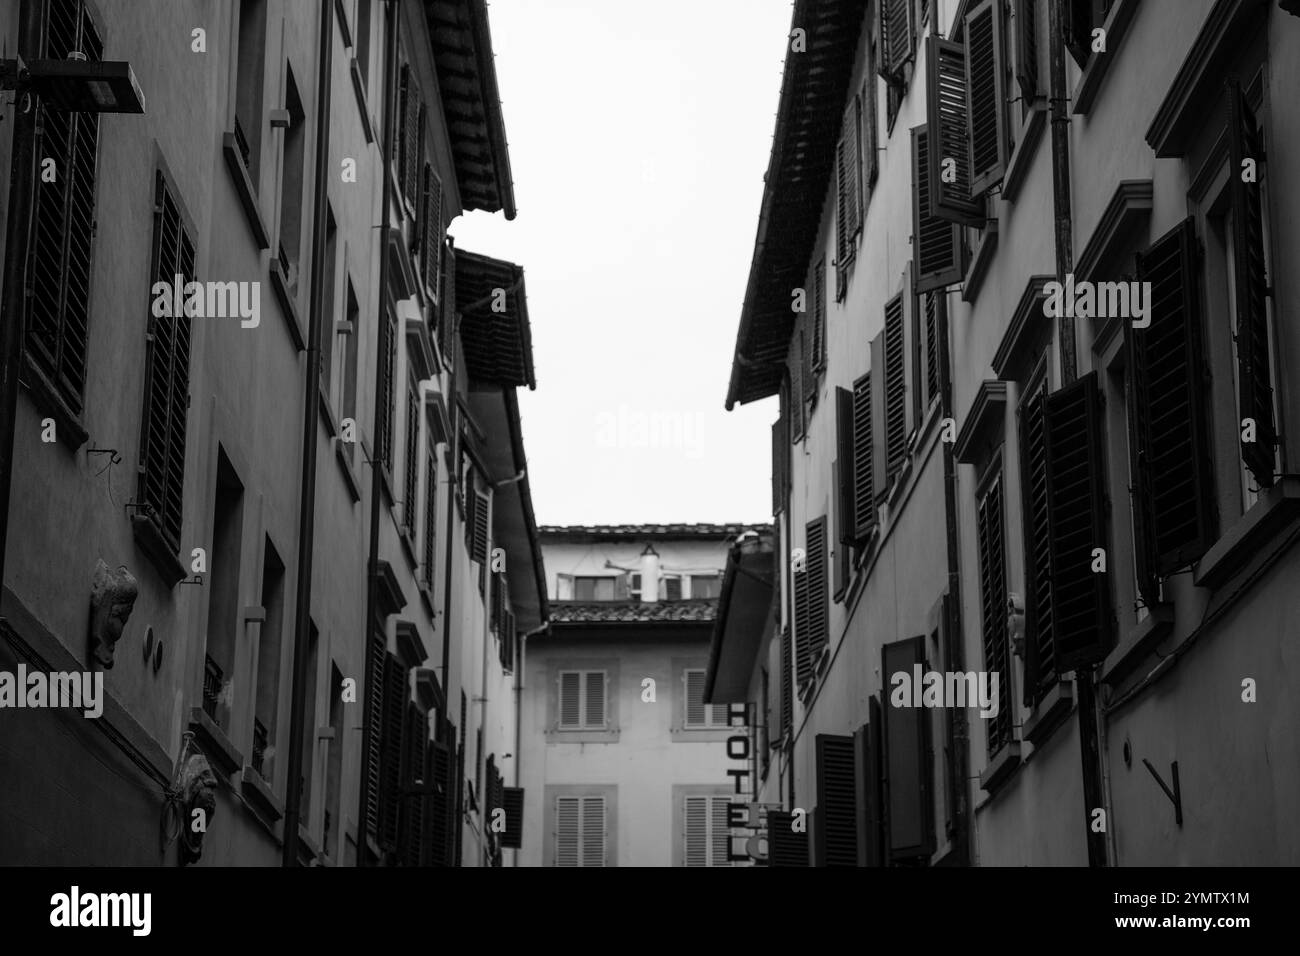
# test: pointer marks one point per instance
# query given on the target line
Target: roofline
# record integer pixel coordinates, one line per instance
(496, 125)
(578, 534)
(526, 499)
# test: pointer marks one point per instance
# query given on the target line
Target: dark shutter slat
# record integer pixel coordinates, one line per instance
(844, 433)
(993, 601)
(394, 708)
(938, 246)
(512, 800)
(1026, 24)
(895, 385)
(868, 789)
(787, 680)
(837, 823)
(864, 496)
(1040, 654)
(877, 386)
(785, 846)
(906, 734)
(986, 96)
(948, 137)
(897, 36)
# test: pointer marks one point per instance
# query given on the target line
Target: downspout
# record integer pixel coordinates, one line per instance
(519, 711)
(489, 584)
(310, 443)
(372, 561)
(1085, 677)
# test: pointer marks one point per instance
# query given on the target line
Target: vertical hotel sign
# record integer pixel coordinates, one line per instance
(747, 837)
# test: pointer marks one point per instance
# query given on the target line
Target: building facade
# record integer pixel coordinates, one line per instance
(161, 518)
(623, 762)
(1036, 420)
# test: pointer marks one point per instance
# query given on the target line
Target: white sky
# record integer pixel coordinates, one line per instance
(639, 135)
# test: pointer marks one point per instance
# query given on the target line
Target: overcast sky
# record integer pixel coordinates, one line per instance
(639, 135)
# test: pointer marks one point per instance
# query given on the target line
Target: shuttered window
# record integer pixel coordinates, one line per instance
(430, 513)
(410, 135)
(780, 459)
(412, 838)
(1250, 275)
(869, 787)
(1081, 18)
(409, 501)
(993, 606)
(786, 846)
(442, 802)
(986, 95)
(1082, 625)
(907, 761)
(837, 810)
(392, 746)
(388, 348)
(1169, 429)
(864, 493)
(811, 601)
(512, 801)
(944, 170)
(431, 230)
(706, 836)
(582, 700)
(848, 199)
(447, 307)
(479, 527)
(63, 213)
(895, 385)
(376, 663)
(937, 243)
(796, 386)
(787, 680)
(700, 715)
(934, 302)
(845, 498)
(1041, 670)
(579, 831)
(161, 484)
(870, 145)
(897, 26)
(1026, 44)
(818, 318)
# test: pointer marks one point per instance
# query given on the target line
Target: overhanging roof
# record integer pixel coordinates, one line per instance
(744, 618)
(697, 610)
(498, 346)
(814, 90)
(587, 533)
(467, 80)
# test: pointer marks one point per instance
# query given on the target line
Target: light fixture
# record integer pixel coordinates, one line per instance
(76, 85)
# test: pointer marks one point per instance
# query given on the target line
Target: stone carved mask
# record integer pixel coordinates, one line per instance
(112, 597)
(198, 791)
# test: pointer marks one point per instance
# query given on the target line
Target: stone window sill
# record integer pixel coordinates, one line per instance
(156, 549)
(1138, 643)
(288, 309)
(583, 736)
(1001, 768)
(259, 795)
(694, 735)
(1275, 510)
(224, 755)
(1049, 714)
(68, 428)
(244, 188)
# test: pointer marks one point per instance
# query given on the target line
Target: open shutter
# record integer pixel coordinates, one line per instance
(377, 660)
(447, 307)
(990, 541)
(395, 696)
(443, 805)
(593, 831)
(480, 536)
(416, 736)
(895, 385)
(949, 127)
(780, 459)
(862, 185)
(879, 480)
(388, 348)
(785, 846)
(844, 428)
(1026, 40)
(938, 247)
(567, 830)
(413, 137)
(907, 748)
(594, 705)
(431, 243)
(986, 96)
(1170, 430)
(1078, 29)
(843, 212)
(868, 789)
(818, 593)
(897, 37)
(410, 504)
(512, 800)
(1254, 366)
(570, 693)
(818, 321)
(862, 482)
(787, 680)
(796, 386)
(870, 156)
(1040, 650)
(837, 824)
(1083, 627)
(839, 550)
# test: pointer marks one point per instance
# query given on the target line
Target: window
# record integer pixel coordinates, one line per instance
(706, 585)
(430, 514)
(818, 357)
(345, 380)
(410, 136)
(391, 737)
(222, 585)
(1081, 18)
(986, 95)
(1041, 670)
(697, 714)
(811, 601)
(411, 827)
(431, 234)
(330, 328)
(780, 459)
(1025, 20)
(478, 525)
(388, 348)
(897, 28)
(848, 202)
(864, 450)
(580, 831)
(835, 820)
(334, 764)
(895, 384)
(268, 664)
(593, 588)
(309, 734)
(582, 700)
(59, 265)
(765, 731)
(907, 763)
(925, 332)
(161, 485)
(706, 838)
(787, 846)
(670, 588)
(993, 600)
(792, 394)
(291, 185)
(787, 681)
(249, 76)
(843, 469)
(409, 500)
(938, 248)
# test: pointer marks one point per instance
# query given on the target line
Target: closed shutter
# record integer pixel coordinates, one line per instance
(934, 302)
(879, 476)
(795, 387)
(837, 824)
(819, 317)
(388, 348)
(845, 502)
(897, 37)
(696, 713)
(719, 832)
(431, 243)
(780, 459)
(1254, 365)
(593, 831)
(871, 156)
(802, 627)
(869, 789)
(1082, 622)
(696, 831)
(412, 838)
(908, 762)
(1168, 422)
(447, 307)
(818, 594)
(846, 203)
(948, 128)
(594, 705)
(412, 137)
(938, 246)
(672, 589)
(785, 846)
(376, 661)
(409, 501)
(787, 680)
(394, 711)
(864, 495)
(1078, 28)
(63, 214)
(568, 831)
(479, 543)
(430, 512)
(986, 95)
(1026, 40)
(512, 801)
(167, 376)
(895, 385)
(570, 692)
(993, 608)
(443, 818)
(1041, 671)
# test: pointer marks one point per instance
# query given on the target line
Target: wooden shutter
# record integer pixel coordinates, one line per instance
(696, 835)
(879, 479)
(388, 347)
(862, 186)
(431, 243)
(443, 805)
(63, 215)
(1041, 670)
(837, 824)
(430, 512)
(897, 37)
(1082, 623)
(785, 847)
(948, 128)
(447, 307)
(594, 705)
(412, 137)
(568, 830)
(934, 303)
(796, 387)
(871, 156)
(938, 246)
(512, 801)
(410, 847)
(780, 459)
(803, 639)
(409, 503)
(719, 832)
(570, 699)
(593, 831)
(847, 201)
(863, 484)
(895, 385)
(990, 542)
(986, 96)
(1078, 27)
(839, 550)
(376, 661)
(695, 712)
(1026, 40)
(818, 592)
(161, 483)
(395, 696)
(844, 429)
(1168, 423)
(906, 734)
(672, 589)
(868, 789)
(1254, 365)
(818, 321)
(479, 551)
(787, 680)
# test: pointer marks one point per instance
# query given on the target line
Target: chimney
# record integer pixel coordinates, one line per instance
(649, 574)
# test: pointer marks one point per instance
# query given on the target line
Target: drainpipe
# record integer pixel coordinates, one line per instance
(1085, 677)
(18, 239)
(649, 575)
(483, 685)
(310, 433)
(376, 481)
(519, 711)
